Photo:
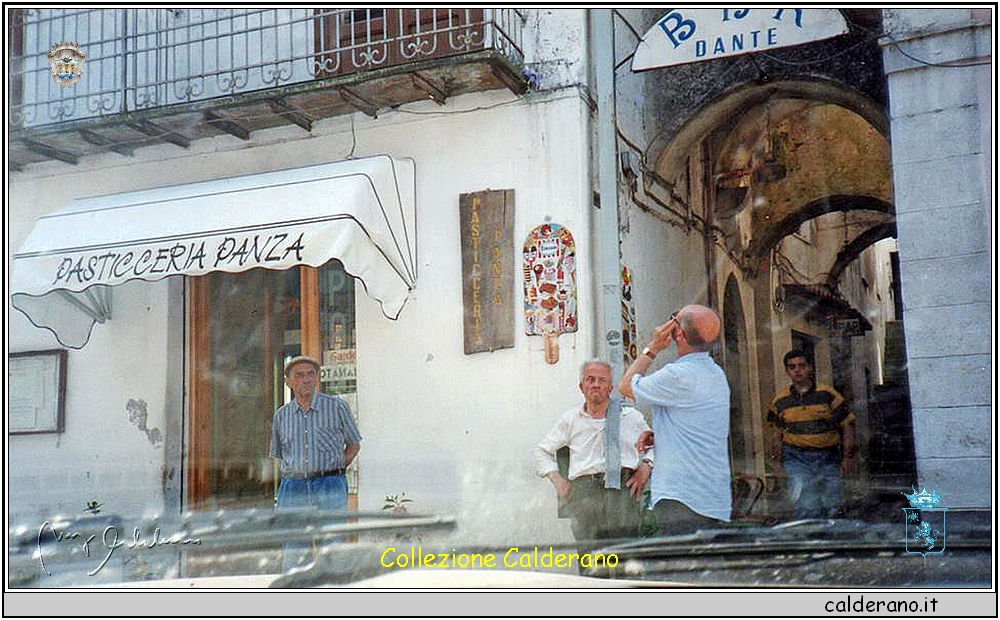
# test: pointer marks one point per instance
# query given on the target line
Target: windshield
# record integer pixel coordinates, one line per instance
(503, 298)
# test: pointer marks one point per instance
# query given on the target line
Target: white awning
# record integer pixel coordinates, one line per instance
(359, 211)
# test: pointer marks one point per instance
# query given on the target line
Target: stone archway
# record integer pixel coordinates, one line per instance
(669, 149)
(767, 236)
(854, 249)
(787, 162)
(795, 179)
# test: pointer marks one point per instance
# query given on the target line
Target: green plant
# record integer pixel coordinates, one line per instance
(647, 522)
(396, 503)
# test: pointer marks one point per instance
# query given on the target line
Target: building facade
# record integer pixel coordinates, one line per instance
(781, 187)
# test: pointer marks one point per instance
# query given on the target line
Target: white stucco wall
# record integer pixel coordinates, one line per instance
(555, 46)
(102, 455)
(455, 432)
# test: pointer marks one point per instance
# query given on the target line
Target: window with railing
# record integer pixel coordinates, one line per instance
(354, 39)
(147, 58)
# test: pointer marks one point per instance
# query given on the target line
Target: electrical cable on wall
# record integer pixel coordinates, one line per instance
(354, 139)
(668, 215)
(625, 21)
(788, 268)
(951, 64)
(806, 63)
(879, 34)
(678, 220)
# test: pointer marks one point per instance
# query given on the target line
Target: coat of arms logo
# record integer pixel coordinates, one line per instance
(66, 60)
(925, 521)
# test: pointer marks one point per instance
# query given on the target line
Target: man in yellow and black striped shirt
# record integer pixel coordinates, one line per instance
(817, 440)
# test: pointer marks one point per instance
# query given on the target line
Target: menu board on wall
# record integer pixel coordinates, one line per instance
(487, 237)
(36, 384)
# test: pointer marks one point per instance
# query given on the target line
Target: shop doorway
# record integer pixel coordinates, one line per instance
(242, 328)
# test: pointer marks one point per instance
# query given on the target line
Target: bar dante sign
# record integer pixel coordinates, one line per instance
(692, 35)
(487, 234)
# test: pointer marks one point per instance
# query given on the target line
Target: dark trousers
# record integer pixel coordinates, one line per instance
(601, 514)
(674, 517)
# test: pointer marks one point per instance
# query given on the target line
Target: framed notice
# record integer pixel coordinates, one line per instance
(36, 391)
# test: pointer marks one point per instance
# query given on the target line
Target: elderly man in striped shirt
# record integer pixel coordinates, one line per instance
(315, 437)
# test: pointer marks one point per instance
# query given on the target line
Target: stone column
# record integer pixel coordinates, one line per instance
(938, 72)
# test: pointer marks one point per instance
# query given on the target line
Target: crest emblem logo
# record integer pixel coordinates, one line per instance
(66, 61)
(925, 522)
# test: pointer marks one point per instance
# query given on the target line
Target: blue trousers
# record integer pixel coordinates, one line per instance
(815, 485)
(324, 493)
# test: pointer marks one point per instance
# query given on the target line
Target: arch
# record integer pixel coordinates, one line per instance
(858, 245)
(768, 237)
(673, 146)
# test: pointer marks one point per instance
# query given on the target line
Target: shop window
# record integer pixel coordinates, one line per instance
(243, 328)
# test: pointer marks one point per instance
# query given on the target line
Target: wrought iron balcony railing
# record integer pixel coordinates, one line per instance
(139, 59)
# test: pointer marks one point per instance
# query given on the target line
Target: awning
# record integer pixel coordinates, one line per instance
(359, 211)
(824, 306)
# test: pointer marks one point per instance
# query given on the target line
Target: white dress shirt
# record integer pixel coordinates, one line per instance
(584, 435)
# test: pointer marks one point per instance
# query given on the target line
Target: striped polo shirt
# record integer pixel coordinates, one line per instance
(811, 420)
(313, 441)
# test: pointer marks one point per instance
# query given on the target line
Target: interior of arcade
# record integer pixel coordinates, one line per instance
(790, 184)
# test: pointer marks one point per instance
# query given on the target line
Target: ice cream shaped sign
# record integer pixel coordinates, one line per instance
(549, 275)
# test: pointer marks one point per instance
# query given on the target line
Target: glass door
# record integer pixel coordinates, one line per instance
(243, 328)
(338, 338)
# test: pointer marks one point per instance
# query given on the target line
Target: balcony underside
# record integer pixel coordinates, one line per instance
(301, 104)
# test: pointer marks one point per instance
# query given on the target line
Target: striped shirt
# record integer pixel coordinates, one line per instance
(313, 441)
(810, 420)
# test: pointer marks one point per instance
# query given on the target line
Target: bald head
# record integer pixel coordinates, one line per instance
(700, 325)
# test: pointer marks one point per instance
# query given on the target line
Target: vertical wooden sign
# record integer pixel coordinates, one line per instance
(486, 222)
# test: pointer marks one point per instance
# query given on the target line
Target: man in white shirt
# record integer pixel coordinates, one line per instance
(690, 402)
(598, 513)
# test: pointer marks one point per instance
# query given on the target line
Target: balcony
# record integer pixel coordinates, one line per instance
(178, 75)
